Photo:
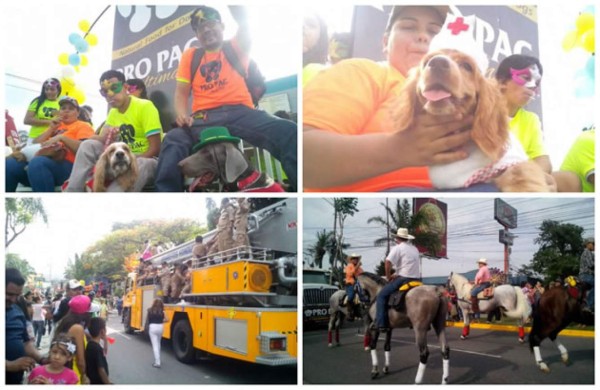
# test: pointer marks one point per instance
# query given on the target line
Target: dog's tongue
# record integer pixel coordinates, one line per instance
(194, 184)
(434, 95)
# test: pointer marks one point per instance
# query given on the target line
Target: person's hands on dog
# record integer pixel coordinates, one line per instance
(435, 140)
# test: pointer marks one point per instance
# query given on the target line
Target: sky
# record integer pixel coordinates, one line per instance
(472, 229)
(77, 221)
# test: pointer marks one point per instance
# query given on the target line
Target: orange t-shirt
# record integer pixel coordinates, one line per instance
(351, 272)
(216, 82)
(358, 96)
(77, 130)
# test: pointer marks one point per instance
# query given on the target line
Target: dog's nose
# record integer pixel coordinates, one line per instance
(120, 154)
(439, 63)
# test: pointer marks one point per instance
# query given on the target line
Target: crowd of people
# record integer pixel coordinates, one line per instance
(63, 147)
(175, 280)
(75, 325)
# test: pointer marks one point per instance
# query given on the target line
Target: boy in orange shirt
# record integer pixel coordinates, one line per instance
(352, 270)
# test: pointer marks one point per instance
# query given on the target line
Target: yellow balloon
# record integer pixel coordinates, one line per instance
(588, 41)
(84, 25)
(78, 95)
(63, 59)
(584, 22)
(84, 60)
(67, 84)
(91, 39)
(569, 41)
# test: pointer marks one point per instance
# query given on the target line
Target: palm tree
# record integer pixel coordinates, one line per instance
(401, 216)
(324, 244)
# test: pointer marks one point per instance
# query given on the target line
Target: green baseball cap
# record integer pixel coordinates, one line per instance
(211, 135)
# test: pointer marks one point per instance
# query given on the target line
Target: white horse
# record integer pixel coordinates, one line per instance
(338, 313)
(511, 300)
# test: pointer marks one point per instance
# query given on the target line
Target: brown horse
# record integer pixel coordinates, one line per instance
(557, 308)
(425, 307)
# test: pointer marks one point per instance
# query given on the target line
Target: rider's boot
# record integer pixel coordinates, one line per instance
(475, 304)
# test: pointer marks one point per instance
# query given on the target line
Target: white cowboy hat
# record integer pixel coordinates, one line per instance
(482, 261)
(403, 233)
(354, 256)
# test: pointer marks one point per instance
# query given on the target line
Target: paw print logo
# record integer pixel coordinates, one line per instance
(211, 71)
(141, 14)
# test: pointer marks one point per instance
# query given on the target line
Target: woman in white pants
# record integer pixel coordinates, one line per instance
(156, 318)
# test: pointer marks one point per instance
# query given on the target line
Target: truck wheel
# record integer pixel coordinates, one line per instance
(127, 321)
(182, 342)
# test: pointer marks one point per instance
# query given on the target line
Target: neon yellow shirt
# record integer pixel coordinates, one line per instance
(580, 159)
(527, 128)
(139, 122)
(44, 113)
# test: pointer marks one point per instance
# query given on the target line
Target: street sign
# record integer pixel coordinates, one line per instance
(505, 214)
(505, 237)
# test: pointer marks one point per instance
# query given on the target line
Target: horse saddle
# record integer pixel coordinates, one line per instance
(344, 300)
(398, 298)
(486, 293)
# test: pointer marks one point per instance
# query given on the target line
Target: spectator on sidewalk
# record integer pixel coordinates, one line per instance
(20, 351)
(38, 320)
(95, 359)
(56, 372)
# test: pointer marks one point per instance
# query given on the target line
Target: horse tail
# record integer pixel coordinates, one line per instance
(439, 320)
(522, 309)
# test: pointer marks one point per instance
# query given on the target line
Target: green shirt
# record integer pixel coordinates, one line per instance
(136, 124)
(580, 159)
(527, 128)
(46, 111)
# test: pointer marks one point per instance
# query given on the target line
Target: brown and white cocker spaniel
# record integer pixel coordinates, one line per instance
(116, 163)
(449, 82)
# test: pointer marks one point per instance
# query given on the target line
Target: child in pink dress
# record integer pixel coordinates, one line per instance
(55, 372)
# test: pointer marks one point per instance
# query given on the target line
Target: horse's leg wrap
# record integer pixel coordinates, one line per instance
(538, 359)
(386, 368)
(564, 354)
(367, 340)
(420, 373)
(465, 332)
(374, 363)
(521, 334)
(329, 338)
(446, 370)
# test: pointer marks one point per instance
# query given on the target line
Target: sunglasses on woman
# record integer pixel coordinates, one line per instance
(51, 83)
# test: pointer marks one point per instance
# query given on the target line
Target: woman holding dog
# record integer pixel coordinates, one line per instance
(53, 163)
(357, 120)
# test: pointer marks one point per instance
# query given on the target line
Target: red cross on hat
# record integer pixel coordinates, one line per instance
(458, 26)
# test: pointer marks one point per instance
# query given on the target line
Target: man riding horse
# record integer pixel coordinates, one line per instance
(352, 270)
(482, 281)
(405, 259)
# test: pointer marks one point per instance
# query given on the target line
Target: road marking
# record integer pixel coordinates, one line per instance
(453, 349)
(110, 330)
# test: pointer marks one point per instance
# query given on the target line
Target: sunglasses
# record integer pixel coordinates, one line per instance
(111, 88)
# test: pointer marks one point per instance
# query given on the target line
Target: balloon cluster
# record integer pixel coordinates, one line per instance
(72, 62)
(584, 37)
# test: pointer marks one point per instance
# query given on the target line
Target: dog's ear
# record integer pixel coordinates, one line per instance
(235, 163)
(407, 103)
(490, 125)
(100, 173)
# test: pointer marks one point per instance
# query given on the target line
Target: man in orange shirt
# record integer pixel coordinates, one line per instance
(352, 270)
(220, 98)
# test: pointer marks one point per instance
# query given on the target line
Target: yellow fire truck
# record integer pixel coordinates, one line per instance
(243, 301)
